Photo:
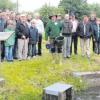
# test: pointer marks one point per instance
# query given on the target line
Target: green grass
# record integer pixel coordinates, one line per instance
(25, 80)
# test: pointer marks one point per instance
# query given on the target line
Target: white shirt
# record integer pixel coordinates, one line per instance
(40, 26)
(75, 25)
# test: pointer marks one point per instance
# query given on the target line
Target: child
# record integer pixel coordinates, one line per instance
(9, 43)
(33, 39)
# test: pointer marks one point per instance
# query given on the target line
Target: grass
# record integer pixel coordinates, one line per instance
(25, 80)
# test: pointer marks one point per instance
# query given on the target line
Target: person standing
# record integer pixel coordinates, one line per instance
(96, 35)
(2, 27)
(9, 43)
(40, 27)
(33, 39)
(93, 22)
(66, 32)
(85, 29)
(52, 32)
(22, 33)
(74, 34)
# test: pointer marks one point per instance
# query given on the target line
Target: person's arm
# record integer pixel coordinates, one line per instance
(17, 30)
(47, 32)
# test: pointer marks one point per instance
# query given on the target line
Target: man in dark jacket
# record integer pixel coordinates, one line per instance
(93, 22)
(22, 33)
(2, 27)
(96, 36)
(84, 29)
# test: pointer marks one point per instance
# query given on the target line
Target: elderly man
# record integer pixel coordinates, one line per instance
(22, 33)
(84, 29)
(40, 27)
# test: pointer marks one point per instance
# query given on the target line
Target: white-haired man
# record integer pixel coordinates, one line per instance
(22, 33)
(40, 27)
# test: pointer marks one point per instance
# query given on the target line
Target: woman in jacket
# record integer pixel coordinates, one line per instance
(9, 43)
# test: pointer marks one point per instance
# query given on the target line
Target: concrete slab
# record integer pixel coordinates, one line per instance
(2, 82)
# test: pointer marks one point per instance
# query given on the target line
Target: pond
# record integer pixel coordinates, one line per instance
(89, 94)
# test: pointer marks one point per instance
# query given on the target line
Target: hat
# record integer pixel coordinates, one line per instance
(22, 15)
(50, 16)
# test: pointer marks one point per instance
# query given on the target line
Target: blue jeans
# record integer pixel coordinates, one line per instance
(9, 53)
(67, 46)
(32, 50)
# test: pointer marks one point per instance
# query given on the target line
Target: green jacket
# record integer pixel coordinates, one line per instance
(11, 40)
(52, 29)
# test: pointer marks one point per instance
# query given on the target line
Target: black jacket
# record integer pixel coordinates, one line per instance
(80, 30)
(22, 30)
(34, 36)
(96, 34)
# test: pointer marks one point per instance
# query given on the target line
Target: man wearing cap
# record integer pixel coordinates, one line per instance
(22, 33)
(40, 27)
(52, 32)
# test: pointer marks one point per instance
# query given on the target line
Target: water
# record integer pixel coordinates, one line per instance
(89, 94)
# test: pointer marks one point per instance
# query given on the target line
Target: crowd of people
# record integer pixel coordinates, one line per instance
(61, 33)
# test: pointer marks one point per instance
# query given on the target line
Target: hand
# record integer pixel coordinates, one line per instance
(94, 40)
(23, 37)
(47, 42)
(60, 34)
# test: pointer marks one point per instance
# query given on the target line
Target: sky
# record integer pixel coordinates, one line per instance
(32, 5)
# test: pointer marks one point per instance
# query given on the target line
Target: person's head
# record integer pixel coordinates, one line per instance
(93, 16)
(10, 24)
(98, 21)
(23, 18)
(73, 17)
(59, 17)
(17, 17)
(85, 19)
(37, 16)
(29, 17)
(33, 23)
(66, 17)
(53, 18)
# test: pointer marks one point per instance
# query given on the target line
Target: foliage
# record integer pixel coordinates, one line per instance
(25, 80)
(95, 8)
(78, 7)
(6, 4)
(46, 10)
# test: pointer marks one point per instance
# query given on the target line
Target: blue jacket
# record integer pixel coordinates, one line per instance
(80, 30)
(96, 35)
(2, 24)
(33, 35)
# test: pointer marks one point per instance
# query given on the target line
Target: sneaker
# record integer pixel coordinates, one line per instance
(29, 58)
(68, 56)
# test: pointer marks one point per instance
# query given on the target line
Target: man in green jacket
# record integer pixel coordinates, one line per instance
(52, 32)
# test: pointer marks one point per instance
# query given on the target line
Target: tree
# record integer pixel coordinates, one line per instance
(46, 10)
(78, 7)
(6, 4)
(95, 8)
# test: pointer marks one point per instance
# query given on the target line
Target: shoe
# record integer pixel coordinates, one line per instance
(68, 56)
(29, 58)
